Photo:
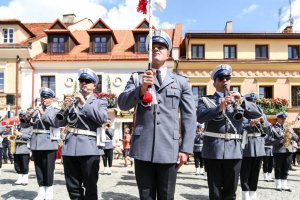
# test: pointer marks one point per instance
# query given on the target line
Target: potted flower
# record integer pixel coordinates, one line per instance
(110, 97)
(272, 106)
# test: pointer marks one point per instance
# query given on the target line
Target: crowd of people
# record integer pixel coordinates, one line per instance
(227, 133)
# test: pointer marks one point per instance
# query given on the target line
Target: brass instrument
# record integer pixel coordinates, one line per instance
(64, 111)
(238, 111)
(287, 137)
(261, 126)
(12, 138)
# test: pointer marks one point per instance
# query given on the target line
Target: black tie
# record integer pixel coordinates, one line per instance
(158, 76)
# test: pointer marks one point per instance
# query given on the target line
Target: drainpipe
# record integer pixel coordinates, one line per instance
(17, 84)
(32, 88)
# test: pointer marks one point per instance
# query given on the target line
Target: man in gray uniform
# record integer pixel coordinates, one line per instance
(223, 114)
(282, 137)
(253, 143)
(42, 145)
(156, 145)
(84, 118)
(22, 154)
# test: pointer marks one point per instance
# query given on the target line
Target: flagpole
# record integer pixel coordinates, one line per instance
(150, 36)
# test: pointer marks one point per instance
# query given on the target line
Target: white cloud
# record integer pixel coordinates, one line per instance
(122, 16)
(284, 18)
(249, 9)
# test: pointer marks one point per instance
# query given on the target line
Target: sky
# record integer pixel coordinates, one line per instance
(194, 15)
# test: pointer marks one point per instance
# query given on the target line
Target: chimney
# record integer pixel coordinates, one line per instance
(69, 18)
(228, 27)
(288, 29)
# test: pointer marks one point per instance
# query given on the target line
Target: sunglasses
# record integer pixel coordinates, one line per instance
(46, 97)
(87, 81)
(222, 78)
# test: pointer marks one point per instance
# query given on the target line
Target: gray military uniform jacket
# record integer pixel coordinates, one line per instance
(277, 135)
(156, 136)
(42, 141)
(255, 146)
(93, 114)
(198, 143)
(219, 148)
(109, 133)
(22, 141)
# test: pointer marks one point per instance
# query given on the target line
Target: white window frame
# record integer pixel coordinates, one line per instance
(2, 90)
(8, 36)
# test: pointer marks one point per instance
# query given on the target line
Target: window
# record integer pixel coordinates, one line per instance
(293, 52)
(296, 96)
(8, 35)
(49, 82)
(1, 81)
(100, 45)
(235, 88)
(58, 45)
(198, 91)
(229, 52)
(261, 52)
(198, 51)
(99, 85)
(142, 44)
(265, 91)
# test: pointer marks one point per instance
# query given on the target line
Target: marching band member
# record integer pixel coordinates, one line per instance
(81, 155)
(108, 149)
(253, 151)
(223, 115)
(268, 160)
(22, 154)
(43, 145)
(198, 144)
(282, 137)
(155, 145)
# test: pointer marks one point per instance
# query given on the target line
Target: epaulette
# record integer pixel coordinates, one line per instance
(139, 72)
(175, 73)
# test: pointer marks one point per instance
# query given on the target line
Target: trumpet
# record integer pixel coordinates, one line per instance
(65, 110)
(261, 126)
(238, 111)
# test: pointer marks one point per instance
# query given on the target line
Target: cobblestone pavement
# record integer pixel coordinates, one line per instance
(121, 185)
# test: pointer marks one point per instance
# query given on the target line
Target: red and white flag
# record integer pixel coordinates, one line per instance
(142, 6)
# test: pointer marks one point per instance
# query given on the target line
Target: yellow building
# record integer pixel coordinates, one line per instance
(264, 63)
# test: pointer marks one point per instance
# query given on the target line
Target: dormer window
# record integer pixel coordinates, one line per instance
(100, 44)
(142, 44)
(58, 45)
(8, 35)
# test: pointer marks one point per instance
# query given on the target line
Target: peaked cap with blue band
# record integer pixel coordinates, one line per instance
(46, 92)
(87, 73)
(161, 37)
(251, 97)
(282, 115)
(221, 70)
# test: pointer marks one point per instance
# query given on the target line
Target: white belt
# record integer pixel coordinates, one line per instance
(198, 145)
(268, 146)
(227, 136)
(78, 131)
(254, 134)
(41, 131)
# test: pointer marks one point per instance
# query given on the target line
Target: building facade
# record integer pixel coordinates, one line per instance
(264, 63)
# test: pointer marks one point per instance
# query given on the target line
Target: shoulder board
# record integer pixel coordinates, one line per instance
(179, 75)
(208, 96)
(139, 72)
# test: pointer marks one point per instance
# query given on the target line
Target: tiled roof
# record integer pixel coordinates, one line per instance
(123, 50)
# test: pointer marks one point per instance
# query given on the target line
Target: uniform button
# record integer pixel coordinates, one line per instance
(158, 113)
(158, 123)
(159, 101)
